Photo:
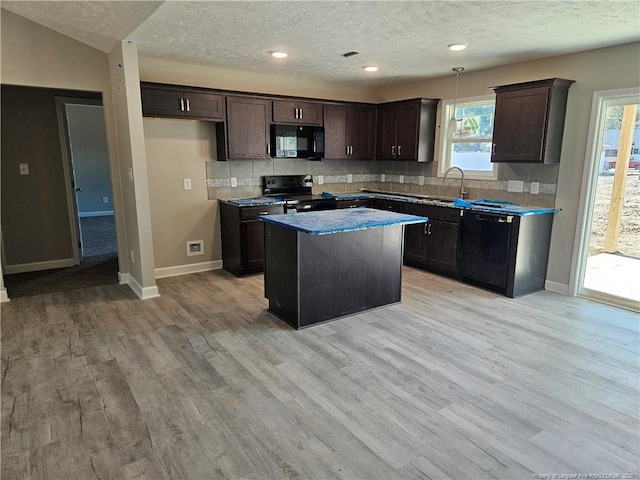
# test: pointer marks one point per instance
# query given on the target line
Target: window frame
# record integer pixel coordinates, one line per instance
(446, 142)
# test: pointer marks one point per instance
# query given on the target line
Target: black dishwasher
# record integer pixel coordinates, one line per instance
(484, 249)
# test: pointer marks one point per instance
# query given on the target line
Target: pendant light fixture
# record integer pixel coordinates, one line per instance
(453, 123)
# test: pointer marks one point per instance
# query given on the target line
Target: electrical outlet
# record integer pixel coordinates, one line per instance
(515, 186)
(421, 180)
(105, 199)
(234, 182)
(320, 179)
(24, 169)
(187, 184)
(349, 178)
(382, 178)
(401, 178)
(195, 247)
(130, 171)
(535, 188)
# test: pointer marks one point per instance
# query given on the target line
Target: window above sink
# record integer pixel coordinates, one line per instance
(469, 147)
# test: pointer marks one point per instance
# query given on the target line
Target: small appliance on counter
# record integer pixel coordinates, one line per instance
(296, 190)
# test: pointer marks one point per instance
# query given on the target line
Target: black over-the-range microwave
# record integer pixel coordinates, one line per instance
(297, 141)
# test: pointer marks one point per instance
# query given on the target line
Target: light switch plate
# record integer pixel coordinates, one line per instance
(234, 182)
(24, 169)
(535, 188)
(320, 179)
(421, 180)
(382, 178)
(105, 199)
(187, 184)
(401, 178)
(515, 186)
(349, 178)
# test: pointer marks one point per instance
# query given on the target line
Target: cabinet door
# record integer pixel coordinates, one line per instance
(302, 113)
(386, 138)
(520, 125)
(252, 239)
(407, 132)
(248, 127)
(205, 106)
(162, 102)
(442, 245)
(361, 132)
(415, 243)
(335, 128)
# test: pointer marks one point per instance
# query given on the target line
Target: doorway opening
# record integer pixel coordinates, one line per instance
(80, 135)
(609, 267)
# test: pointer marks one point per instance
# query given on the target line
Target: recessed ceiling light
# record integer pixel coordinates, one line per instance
(370, 69)
(279, 54)
(456, 47)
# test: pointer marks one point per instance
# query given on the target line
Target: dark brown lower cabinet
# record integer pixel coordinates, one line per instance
(362, 202)
(243, 237)
(433, 245)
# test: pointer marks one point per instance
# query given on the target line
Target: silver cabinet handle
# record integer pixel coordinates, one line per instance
(429, 230)
(300, 114)
(263, 213)
(296, 113)
(393, 150)
(347, 149)
(351, 148)
(188, 110)
(493, 149)
(182, 104)
(399, 150)
(268, 149)
(314, 146)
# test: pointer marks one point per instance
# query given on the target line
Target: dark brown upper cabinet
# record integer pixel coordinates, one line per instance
(406, 130)
(300, 113)
(349, 132)
(529, 121)
(181, 102)
(245, 134)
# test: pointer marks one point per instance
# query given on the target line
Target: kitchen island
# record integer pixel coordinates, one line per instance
(324, 265)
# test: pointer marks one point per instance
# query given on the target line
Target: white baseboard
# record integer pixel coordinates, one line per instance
(36, 266)
(189, 268)
(142, 293)
(99, 213)
(3, 296)
(556, 287)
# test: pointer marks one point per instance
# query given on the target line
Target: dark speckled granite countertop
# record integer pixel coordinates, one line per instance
(334, 221)
(481, 205)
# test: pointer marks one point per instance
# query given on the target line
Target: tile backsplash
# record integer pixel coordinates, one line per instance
(393, 177)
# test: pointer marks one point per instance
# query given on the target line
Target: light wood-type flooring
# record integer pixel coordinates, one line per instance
(203, 383)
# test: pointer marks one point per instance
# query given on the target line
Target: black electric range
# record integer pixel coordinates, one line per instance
(296, 190)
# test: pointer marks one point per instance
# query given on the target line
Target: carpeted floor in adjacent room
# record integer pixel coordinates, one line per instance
(99, 266)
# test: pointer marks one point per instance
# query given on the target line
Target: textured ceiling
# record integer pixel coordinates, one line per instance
(99, 24)
(407, 40)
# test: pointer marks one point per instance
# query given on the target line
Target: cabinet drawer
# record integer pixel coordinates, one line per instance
(365, 202)
(252, 213)
(445, 214)
(391, 205)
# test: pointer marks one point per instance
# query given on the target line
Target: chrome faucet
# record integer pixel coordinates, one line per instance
(463, 191)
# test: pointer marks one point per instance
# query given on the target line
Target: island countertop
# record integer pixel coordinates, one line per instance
(334, 221)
